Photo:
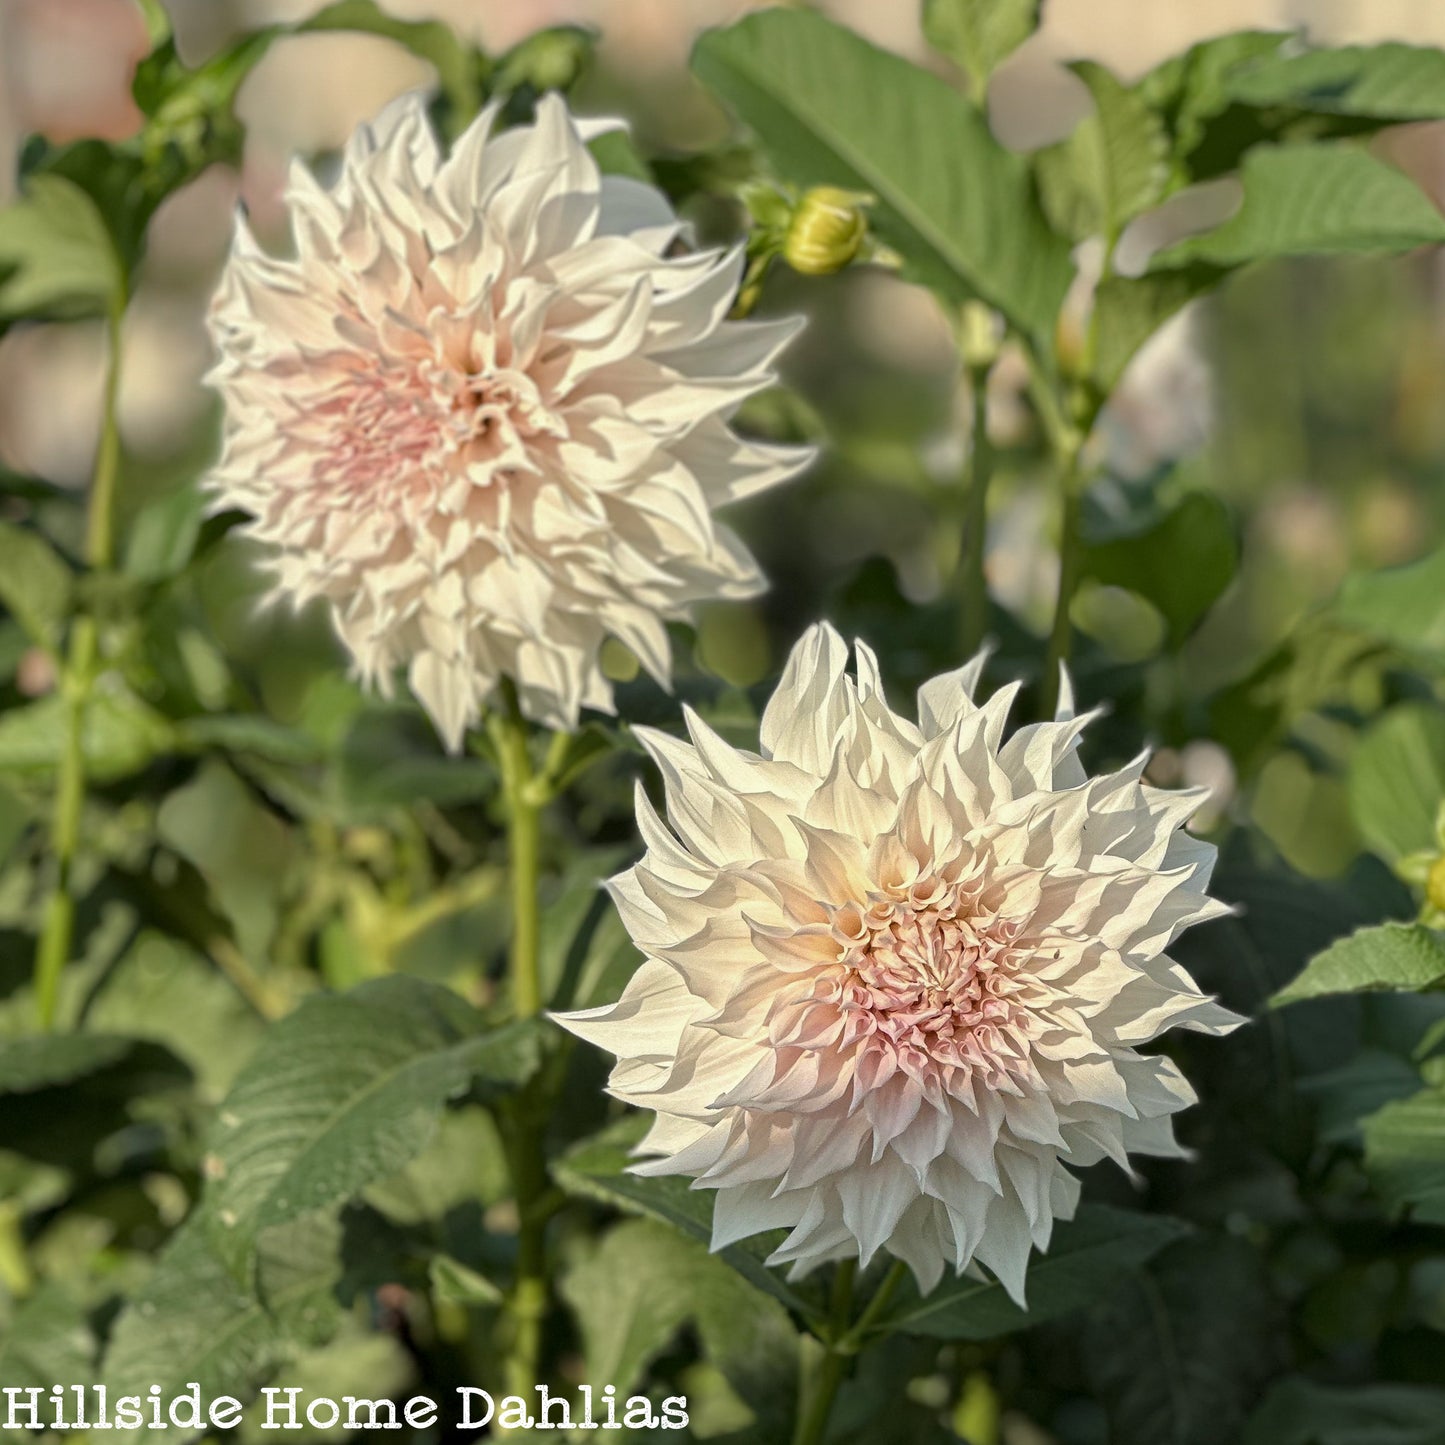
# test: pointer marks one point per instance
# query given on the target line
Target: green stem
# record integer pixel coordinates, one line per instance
(1071, 571)
(77, 678)
(882, 1297)
(527, 1302)
(977, 475)
(823, 1376)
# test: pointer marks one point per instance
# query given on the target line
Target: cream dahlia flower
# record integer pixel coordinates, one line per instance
(897, 974)
(483, 412)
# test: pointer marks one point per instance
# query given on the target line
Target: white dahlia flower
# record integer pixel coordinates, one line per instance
(482, 412)
(897, 974)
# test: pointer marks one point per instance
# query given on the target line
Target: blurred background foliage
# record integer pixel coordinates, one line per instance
(257, 835)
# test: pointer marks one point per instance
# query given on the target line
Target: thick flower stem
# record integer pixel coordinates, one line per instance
(77, 678)
(1071, 560)
(527, 1303)
(843, 1338)
(977, 476)
(820, 1382)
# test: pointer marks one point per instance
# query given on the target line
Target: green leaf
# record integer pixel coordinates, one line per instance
(978, 35)
(45, 1340)
(1128, 310)
(1181, 560)
(1391, 956)
(121, 734)
(44, 1061)
(1315, 200)
(455, 1283)
(342, 1093)
(35, 584)
(162, 538)
(1397, 780)
(1390, 83)
(1177, 1354)
(597, 1169)
(1304, 1412)
(1112, 168)
(643, 1282)
(1191, 93)
(1086, 1257)
(191, 1322)
(56, 256)
(1405, 1154)
(830, 109)
(1404, 606)
(439, 45)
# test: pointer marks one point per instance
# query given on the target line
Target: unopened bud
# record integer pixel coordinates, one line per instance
(826, 231)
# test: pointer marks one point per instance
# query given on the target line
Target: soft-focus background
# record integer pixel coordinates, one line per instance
(1306, 394)
(258, 837)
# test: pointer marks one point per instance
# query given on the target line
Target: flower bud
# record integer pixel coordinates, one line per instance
(825, 232)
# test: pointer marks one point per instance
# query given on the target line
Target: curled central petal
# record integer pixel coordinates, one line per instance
(897, 972)
(929, 986)
(483, 412)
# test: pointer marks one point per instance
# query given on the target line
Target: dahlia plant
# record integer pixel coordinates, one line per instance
(320, 732)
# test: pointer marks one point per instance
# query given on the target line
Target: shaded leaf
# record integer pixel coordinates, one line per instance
(829, 108)
(1181, 560)
(1304, 1412)
(121, 734)
(343, 1092)
(191, 1322)
(1086, 1258)
(1315, 200)
(56, 256)
(43, 1061)
(1405, 1153)
(1390, 83)
(35, 584)
(1397, 780)
(597, 1169)
(1177, 1353)
(1404, 606)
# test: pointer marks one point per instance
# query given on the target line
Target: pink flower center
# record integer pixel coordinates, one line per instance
(929, 985)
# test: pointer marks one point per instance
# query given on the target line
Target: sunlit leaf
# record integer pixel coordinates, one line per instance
(829, 108)
(1391, 956)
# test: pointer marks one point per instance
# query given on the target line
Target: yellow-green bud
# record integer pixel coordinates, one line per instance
(825, 232)
(1435, 884)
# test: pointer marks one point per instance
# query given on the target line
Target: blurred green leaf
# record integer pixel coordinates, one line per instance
(1315, 200)
(43, 1061)
(45, 1340)
(1192, 90)
(1298, 1411)
(1405, 1154)
(597, 1169)
(643, 1282)
(1181, 559)
(343, 1092)
(1128, 310)
(56, 256)
(163, 536)
(1112, 168)
(191, 1322)
(1391, 956)
(1404, 606)
(1086, 1257)
(35, 584)
(430, 40)
(1390, 83)
(121, 734)
(830, 109)
(978, 35)
(1397, 780)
